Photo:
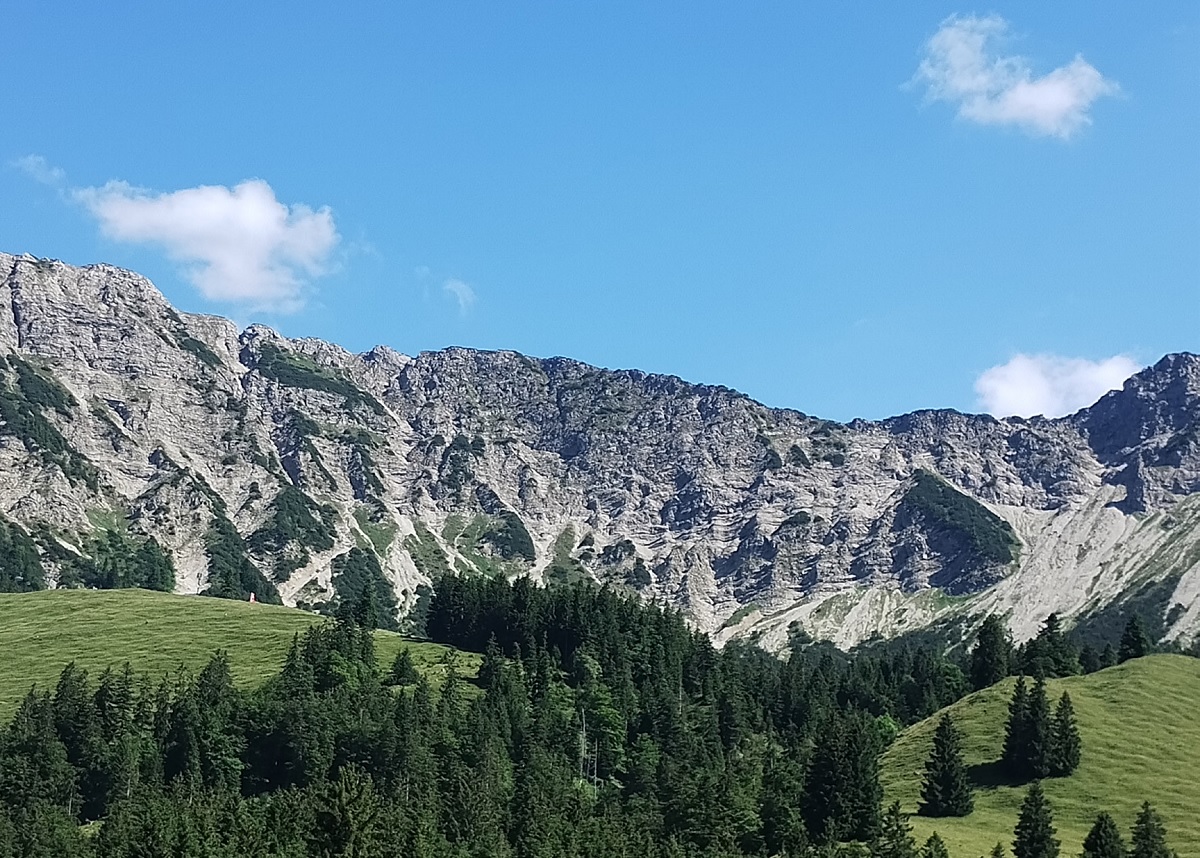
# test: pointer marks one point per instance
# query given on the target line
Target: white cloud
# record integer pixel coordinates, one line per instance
(40, 170)
(961, 66)
(462, 292)
(1049, 385)
(238, 244)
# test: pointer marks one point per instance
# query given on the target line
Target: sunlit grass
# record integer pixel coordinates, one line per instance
(1140, 724)
(158, 633)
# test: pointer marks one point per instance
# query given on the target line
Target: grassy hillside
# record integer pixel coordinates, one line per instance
(156, 632)
(1141, 741)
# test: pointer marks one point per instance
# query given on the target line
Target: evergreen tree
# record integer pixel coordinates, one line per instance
(1089, 659)
(1034, 834)
(1104, 840)
(1016, 731)
(1065, 742)
(781, 829)
(1149, 835)
(842, 793)
(946, 790)
(1108, 656)
(895, 838)
(1050, 653)
(348, 818)
(1134, 642)
(998, 851)
(992, 653)
(934, 847)
(1039, 736)
(404, 672)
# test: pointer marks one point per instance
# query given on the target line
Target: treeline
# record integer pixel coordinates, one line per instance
(597, 726)
(1051, 653)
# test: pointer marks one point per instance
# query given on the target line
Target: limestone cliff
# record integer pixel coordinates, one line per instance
(119, 411)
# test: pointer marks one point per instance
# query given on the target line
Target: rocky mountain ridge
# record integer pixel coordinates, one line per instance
(290, 466)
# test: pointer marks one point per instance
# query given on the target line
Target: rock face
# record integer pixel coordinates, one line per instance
(121, 412)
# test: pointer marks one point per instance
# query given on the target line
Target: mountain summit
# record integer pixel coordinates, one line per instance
(297, 470)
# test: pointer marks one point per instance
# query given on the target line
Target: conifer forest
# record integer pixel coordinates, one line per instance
(597, 726)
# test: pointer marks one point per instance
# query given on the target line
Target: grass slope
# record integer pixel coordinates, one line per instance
(158, 633)
(1141, 741)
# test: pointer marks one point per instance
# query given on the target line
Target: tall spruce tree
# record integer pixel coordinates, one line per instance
(1039, 736)
(1034, 835)
(895, 838)
(992, 653)
(1016, 731)
(1104, 840)
(1134, 642)
(1066, 746)
(947, 790)
(1149, 835)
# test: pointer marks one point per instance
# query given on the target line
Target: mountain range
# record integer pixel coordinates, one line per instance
(292, 467)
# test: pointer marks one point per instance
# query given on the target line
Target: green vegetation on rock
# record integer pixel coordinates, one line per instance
(356, 573)
(991, 536)
(199, 350)
(114, 561)
(296, 370)
(565, 568)
(231, 574)
(377, 524)
(22, 417)
(20, 565)
(296, 525)
(425, 552)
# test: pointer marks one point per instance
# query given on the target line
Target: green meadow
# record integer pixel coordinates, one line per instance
(1140, 725)
(159, 633)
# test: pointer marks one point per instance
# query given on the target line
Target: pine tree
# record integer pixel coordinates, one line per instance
(1149, 835)
(1104, 840)
(1134, 642)
(348, 817)
(895, 838)
(1034, 834)
(1039, 736)
(1108, 656)
(404, 672)
(1065, 745)
(1016, 732)
(1089, 659)
(992, 653)
(934, 847)
(946, 791)
(998, 851)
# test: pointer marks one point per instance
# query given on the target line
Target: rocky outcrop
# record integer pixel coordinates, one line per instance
(750, 519)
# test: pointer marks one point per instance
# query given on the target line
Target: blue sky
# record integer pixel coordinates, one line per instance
(770, 196)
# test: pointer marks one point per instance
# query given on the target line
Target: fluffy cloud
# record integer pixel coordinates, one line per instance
(1050, 385)
(462, 293)
(961, 66)
(238, 245)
